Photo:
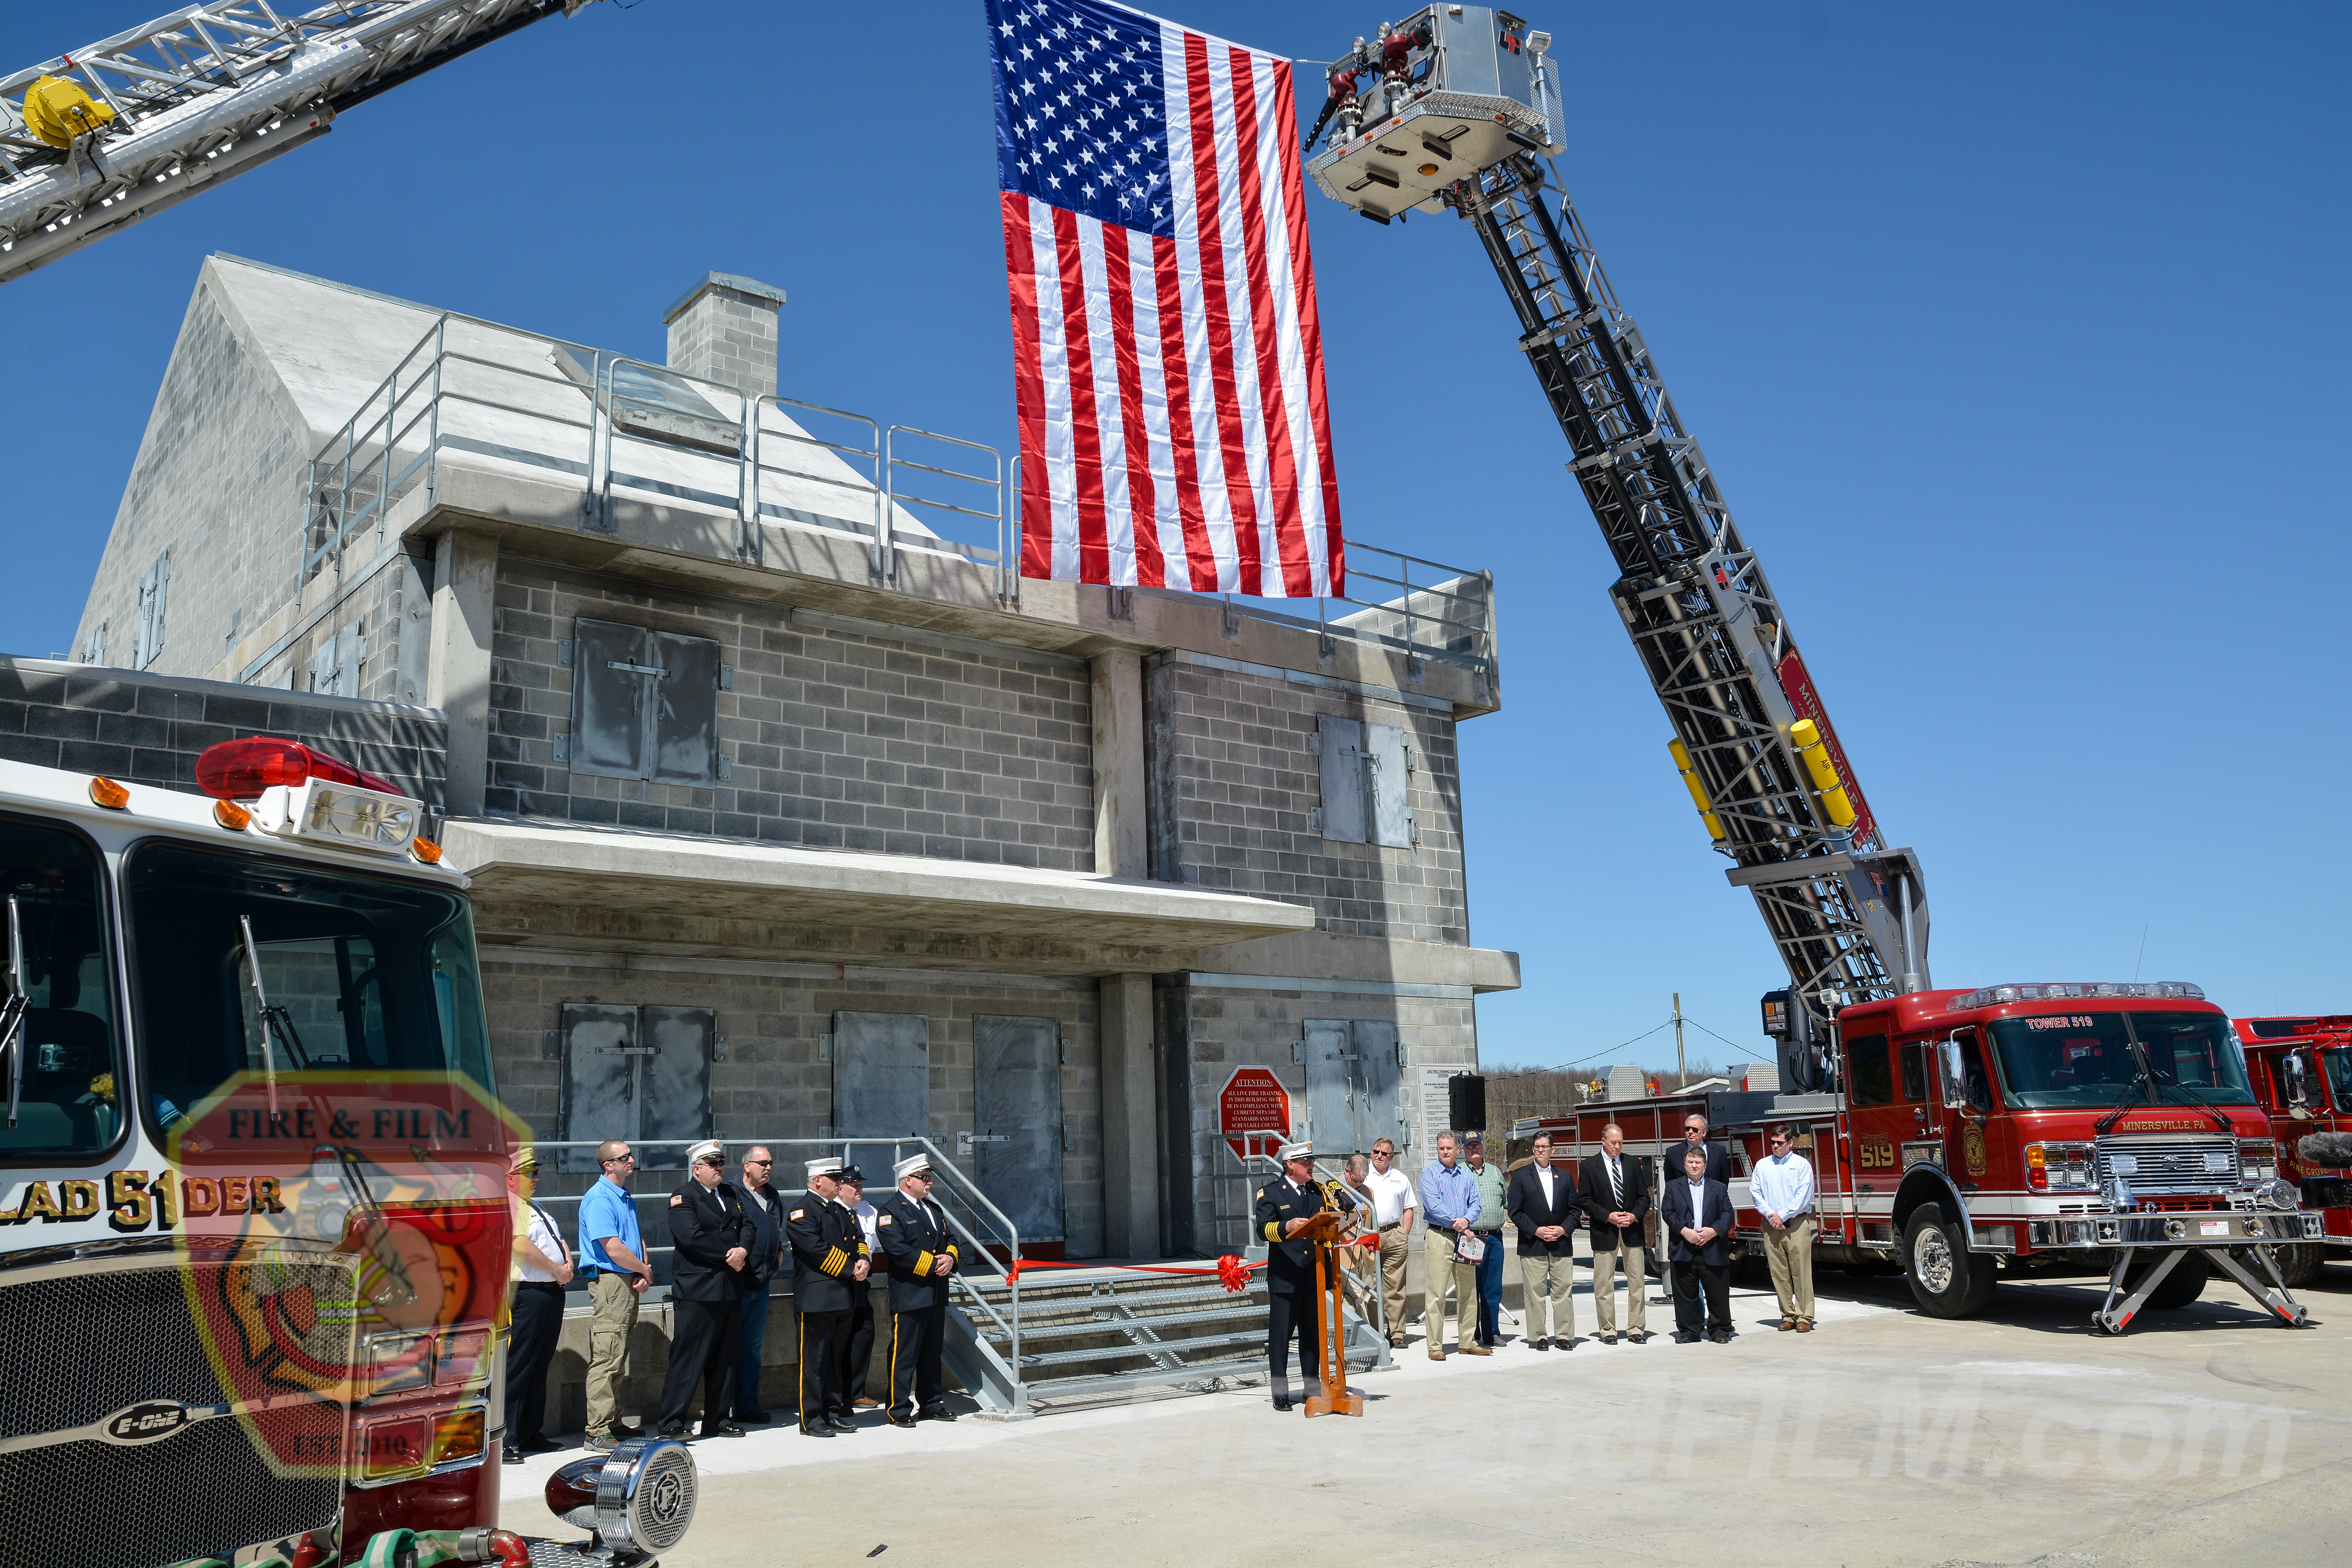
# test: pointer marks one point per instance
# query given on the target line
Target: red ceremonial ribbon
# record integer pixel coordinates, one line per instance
(1231, 1271)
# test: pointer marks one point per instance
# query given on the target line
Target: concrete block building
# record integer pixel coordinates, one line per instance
(790, 812)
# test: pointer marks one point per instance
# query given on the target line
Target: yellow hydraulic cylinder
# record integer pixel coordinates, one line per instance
(1806, 739)
(58, 110)
(1692, 782)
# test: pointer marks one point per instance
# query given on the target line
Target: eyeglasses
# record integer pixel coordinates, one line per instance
(923, 1176)
(1779, 1143)
(622, 1160)
(759, 1162)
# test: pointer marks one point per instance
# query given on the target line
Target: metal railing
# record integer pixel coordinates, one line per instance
(618, 427)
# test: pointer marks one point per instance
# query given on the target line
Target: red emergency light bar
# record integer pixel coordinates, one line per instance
(241, 770)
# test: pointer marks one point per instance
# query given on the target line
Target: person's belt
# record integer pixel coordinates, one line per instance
(538, 1285)
(1393, 1225)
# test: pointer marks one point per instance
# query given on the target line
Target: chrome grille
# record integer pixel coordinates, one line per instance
(92, 1337)
(2169, 1166)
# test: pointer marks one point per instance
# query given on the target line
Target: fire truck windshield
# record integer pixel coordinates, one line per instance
(359, 973)
(2070, 1059)
(57, 1001)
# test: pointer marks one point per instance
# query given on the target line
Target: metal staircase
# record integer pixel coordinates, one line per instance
(1093, 1334)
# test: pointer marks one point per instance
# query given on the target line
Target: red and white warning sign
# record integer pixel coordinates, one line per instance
(1253, 1102)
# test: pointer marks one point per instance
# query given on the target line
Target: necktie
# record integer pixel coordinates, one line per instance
(1616, 1186)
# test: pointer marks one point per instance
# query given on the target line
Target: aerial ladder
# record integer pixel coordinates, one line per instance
(94, 140)
(1458, 108)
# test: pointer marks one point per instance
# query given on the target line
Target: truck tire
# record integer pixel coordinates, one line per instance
(2183, 1284)
(1946, 1279)
(2301, 1264)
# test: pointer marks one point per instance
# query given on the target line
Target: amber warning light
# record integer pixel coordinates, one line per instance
(297, 792)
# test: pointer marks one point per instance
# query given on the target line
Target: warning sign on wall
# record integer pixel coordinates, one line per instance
(1253, 1102)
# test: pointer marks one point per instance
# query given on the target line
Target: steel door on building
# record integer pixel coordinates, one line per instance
(638, 1073)
(1017, 1128)
(881, 1086)
(1351, 1084)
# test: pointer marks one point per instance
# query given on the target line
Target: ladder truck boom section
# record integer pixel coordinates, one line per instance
(1456, 108)
(96, 139)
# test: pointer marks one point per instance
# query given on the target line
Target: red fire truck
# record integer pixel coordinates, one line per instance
(2023, 1131)
(2302, 1071)
(255, 1223)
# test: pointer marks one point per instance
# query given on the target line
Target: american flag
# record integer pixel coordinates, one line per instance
(1167, 369)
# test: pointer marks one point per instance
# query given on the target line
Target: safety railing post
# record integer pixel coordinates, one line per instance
(432, 426)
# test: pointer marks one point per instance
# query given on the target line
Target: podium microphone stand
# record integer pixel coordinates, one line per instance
(1327, 1231)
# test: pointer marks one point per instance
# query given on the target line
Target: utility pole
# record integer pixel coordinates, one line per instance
(1682, 1074)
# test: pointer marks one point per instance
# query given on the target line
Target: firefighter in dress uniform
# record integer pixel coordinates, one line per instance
(830, 1262)
(1284, 1204)
(913, 1231)
(710, 1237)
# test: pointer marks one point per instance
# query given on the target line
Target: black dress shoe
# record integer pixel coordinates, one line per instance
(906, 1421)
(936, 1413)
(752, 1418)
(509, 1455)
(841, 1423)
(818, 1430)
(1640, 1339)
(1721, 1336)
(1542, 1344)
(1683, 1338)
(1609, 1339)
(541, 1446)
(673, 1429)
(723, 1430)
(1282, 1402)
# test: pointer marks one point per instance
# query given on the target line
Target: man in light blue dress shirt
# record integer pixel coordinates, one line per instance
(1449, 1202)
(1782, 1188)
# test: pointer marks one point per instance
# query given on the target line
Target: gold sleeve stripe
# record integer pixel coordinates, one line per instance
(1274, 1232)
(923, 1261)
(833, 1261)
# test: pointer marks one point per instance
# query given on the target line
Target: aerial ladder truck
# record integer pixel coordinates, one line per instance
(96, 139)
(2023, 1130)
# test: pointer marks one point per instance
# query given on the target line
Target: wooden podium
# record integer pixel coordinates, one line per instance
(1327, 1231)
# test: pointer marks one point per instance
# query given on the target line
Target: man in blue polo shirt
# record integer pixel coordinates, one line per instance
(1449, 1206)
(613, 1255)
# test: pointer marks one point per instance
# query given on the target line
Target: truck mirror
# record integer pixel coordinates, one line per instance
(2297, 1084)
(1956, 1071)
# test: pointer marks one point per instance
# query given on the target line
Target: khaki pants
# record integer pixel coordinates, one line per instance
(1437, 1261)
(615, 1306)
(1604, 1288)
(1548, 1283)
(1396, 1247)
(1789, 1251)
(1359, 1275)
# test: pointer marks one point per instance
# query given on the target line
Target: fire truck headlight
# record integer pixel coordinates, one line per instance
(457, 1435)
(2257, 1159)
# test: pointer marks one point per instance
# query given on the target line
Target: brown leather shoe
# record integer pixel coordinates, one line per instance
(1476, 1350)
(1787, 1323)
(1804, 1325)
(1436, 1355)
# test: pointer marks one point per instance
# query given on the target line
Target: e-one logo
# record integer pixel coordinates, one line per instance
(146, 1423)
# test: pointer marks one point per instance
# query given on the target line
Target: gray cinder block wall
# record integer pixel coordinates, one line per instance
(724, 328)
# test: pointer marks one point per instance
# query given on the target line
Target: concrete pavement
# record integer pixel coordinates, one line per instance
(2205, 1435)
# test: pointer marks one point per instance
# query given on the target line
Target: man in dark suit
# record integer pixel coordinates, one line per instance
(1542, 1201)
(1614, 1188)
(1718, 1158)
(1284, 1205)
(1696, 1212)
(829, 1261)
(711, 1240)
(913, 1231)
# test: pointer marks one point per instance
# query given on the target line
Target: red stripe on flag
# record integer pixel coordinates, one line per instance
(1028, 390)
(1150, 571)
(1232, 442)
(1094, 548)
(1310, 343)
(1282, 467)
(1200, 560)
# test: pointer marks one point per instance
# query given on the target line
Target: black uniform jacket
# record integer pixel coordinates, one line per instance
(826, 1240)
(1290, 1265)
(1676, 1212)
(765, 1210)
(1524, 1203)
(704, 1223)
(914, 1238)
(1593, 1190)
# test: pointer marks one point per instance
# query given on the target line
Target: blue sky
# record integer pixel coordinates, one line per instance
(2015, 335)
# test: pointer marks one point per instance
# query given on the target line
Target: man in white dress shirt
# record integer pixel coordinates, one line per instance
(1782, 1188)
(1393, 1203)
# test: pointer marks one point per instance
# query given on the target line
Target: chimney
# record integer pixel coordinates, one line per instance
(724, 329)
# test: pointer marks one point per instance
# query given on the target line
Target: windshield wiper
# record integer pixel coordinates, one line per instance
(2152, 1085)
(276, 1023)
(13, 1008)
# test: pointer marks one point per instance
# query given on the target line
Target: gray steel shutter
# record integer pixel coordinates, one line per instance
(1340, 743)
(1017, 1096)
(685, 748)
(608, 699)
(599, 1047)
(1374, 1043)
(881, 1082)
(674, 1098)
(1388, 782)
(1330, 1087)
